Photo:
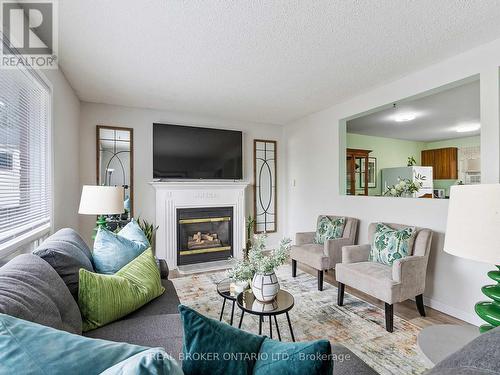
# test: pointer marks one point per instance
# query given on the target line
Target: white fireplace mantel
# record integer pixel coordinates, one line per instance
(171, 195)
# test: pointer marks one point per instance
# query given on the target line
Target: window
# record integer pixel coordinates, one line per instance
(25, 182)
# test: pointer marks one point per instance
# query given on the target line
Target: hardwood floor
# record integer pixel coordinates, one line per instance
(406, 310)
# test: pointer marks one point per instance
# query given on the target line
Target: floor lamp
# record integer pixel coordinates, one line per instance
(472, 232)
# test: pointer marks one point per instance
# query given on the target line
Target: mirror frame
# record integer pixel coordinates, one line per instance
(274, 183)
(98, 157)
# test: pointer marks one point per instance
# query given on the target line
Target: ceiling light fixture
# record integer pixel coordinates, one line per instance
(467, 128)
(403, 117)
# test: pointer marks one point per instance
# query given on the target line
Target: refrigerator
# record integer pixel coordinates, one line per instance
(390, 177)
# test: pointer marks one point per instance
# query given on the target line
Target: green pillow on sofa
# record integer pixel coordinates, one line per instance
(212, 347)
(34, 349)
(391, 244)
(106, 298)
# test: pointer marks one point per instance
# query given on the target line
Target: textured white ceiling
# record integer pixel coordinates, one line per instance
(437, 116)
(268, 61)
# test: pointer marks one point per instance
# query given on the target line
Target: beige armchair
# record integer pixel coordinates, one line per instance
(322, 257)
(403, 280)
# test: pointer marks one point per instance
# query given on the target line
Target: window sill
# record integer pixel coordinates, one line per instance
(12, 246)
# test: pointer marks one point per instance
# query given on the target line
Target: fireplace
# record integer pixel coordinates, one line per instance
(204, 234)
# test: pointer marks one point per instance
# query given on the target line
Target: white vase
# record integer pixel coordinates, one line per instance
(265, 287)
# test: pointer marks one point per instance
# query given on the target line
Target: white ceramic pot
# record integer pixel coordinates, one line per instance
(240, 286)
(265, 287)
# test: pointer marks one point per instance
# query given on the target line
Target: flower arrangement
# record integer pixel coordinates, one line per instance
(405, 187)
(258, 262)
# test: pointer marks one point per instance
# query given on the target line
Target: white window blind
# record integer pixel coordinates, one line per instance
(25, 183)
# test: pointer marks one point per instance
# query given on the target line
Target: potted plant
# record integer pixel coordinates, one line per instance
(259, 269)
(250, 224)
(410, 162)
(265, 285)
(149, 230)
(241, 273)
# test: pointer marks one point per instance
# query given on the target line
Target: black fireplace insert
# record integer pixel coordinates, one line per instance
(204, 234)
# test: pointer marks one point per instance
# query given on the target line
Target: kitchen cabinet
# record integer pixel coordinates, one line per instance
(444, 162)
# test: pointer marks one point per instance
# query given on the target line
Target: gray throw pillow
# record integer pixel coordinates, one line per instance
(66, 252)
(31, 289)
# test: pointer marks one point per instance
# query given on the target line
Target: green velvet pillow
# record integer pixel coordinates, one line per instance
(329, 228)
(391, 244)
(105, 298)
(294, 358)
(212, 347)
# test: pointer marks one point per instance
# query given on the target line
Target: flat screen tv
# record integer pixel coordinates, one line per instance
(187, 152)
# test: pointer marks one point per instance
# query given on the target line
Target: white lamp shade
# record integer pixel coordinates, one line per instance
(473, 227)
(102, 200)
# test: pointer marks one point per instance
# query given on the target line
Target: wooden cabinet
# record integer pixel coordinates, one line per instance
(444, 162)
(353, 164)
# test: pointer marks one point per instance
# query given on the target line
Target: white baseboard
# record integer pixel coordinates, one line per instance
(460, 314)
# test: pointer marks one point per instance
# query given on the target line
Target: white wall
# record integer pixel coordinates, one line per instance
(453, 284)
(66, 172)
(141, 120)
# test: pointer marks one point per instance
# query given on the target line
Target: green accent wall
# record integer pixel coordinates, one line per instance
(394, 153)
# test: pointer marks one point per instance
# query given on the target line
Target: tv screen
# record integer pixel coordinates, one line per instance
(187, 152)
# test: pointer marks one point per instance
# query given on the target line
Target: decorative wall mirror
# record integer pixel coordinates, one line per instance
(265, 213)
(115, 164)
(417, 147)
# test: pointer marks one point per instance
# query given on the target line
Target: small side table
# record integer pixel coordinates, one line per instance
(224, 290)
(280, 305)
(439, 341)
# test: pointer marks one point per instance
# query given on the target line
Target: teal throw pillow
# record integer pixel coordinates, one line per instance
(329, 228)
(113, 251)
(391, 244)
(294, 358)
(212, 347)
(148, 362)
(34, 349)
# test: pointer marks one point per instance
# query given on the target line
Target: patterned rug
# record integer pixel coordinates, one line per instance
(357, 325)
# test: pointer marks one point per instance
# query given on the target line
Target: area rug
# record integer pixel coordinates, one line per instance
(358, 325)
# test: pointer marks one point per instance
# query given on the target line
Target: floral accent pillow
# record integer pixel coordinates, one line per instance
(391, 244)
(329, 228)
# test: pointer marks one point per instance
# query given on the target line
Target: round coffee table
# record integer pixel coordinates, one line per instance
(224, 290)
(280, 305)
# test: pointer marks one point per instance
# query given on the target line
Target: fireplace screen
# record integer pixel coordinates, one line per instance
(204, 234)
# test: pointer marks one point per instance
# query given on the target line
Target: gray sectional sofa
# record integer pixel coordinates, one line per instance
(41, 287)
